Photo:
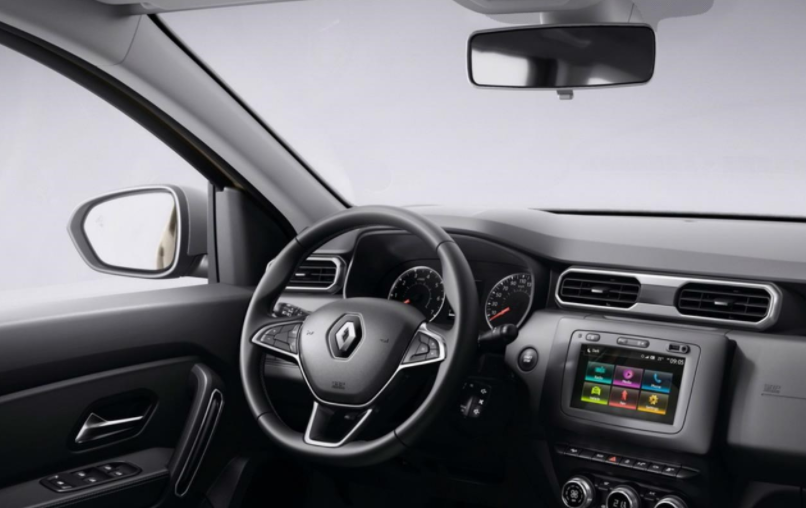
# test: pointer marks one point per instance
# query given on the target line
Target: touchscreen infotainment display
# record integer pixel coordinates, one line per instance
(628, 383)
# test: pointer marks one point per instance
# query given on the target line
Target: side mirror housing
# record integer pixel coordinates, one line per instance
(151, 232)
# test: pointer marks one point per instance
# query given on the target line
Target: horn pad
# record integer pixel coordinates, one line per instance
(350, 349)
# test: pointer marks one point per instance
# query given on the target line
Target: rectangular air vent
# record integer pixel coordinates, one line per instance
(318, 273)
(598, 289)
(726, 302)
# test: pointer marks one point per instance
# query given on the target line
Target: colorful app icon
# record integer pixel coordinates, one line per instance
(595, 394)
(657, 381)
(628, 377)
(650, 402)
(625, 398)
(599, 372)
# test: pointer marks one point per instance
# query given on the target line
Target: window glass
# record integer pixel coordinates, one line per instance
(59, 146)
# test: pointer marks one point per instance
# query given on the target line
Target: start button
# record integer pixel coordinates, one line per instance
(527, 360)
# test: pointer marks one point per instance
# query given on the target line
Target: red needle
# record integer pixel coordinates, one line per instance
(407, 301)
(501, 313)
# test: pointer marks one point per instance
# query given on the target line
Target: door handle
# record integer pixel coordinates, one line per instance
(96, 427)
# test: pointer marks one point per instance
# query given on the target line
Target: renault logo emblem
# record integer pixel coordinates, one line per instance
(345, 335)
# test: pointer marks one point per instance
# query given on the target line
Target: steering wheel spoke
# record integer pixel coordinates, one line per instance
(332, 427)
(280, 336)
(428, 346)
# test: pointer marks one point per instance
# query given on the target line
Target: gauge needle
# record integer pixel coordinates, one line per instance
(407, 301)
(501, 313)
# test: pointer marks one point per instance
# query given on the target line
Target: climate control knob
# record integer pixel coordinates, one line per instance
(623, 496)
(671, 502)
(578, 492)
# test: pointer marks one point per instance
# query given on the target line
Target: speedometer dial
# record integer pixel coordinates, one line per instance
(509, 300)
(422, 288)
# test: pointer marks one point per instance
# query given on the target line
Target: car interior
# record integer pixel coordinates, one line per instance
(335, 352)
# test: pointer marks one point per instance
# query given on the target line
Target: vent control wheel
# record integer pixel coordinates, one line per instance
(578, 492)
(623, 496)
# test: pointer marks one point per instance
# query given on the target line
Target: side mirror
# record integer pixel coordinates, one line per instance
(153, 232)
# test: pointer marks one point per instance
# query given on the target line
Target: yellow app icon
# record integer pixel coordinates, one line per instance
(656, 403)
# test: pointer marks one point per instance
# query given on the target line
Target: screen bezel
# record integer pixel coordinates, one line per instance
(609, 340)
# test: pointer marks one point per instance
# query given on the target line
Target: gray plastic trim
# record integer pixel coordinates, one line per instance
(697, 428)
(675, 283)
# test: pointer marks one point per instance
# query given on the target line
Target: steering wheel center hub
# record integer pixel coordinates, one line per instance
(350, 349)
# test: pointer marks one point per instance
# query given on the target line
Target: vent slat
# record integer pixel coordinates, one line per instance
(315, 274)
(599, 289)
(733, 303)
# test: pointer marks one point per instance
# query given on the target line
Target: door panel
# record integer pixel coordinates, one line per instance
(169, 356)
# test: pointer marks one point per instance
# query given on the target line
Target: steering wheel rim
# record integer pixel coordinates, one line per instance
(457, 352)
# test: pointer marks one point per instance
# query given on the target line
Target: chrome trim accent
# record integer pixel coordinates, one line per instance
(96, 427)
(423, 328)
(337, 261)
(531, 298)
(422, 267)
(676, 282)
(217, 417)
(670, 502)
(587, 488)
(326, 444)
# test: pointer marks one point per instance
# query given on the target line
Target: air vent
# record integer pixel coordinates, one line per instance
(725, 302)
(317, 273)
(598, 289)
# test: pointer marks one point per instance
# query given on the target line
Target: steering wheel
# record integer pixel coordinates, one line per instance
(351, 352)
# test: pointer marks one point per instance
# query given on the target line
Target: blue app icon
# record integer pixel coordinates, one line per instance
(657, 381)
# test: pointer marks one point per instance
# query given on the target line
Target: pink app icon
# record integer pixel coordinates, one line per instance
(629, 377)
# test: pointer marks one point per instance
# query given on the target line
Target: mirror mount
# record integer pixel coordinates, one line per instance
(183, 233)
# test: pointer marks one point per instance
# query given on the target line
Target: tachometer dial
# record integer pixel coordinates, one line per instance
(421, 287)
(509, 300)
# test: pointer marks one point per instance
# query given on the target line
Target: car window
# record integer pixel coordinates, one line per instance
(59, 146)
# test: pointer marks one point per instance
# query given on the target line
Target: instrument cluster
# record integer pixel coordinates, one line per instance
(506, 301)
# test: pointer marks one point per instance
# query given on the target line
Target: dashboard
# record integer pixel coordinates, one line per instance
(665, 360)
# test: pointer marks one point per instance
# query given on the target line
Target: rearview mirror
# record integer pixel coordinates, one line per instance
(557, 57)
(152, 232)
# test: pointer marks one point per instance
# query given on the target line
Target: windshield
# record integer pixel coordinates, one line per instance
(374, 96)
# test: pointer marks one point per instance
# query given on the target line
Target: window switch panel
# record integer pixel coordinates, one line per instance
(90, 476)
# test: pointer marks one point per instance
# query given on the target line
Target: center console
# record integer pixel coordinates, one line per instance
(630, 411)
